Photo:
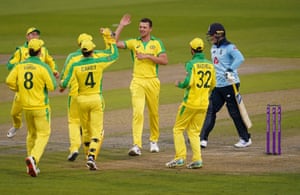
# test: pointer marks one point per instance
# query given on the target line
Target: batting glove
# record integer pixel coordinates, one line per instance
(229, 76)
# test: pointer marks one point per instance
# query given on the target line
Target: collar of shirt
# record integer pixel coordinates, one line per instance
(199, 55)
(151, 38)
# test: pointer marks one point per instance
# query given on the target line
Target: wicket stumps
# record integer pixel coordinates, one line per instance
(276, 126)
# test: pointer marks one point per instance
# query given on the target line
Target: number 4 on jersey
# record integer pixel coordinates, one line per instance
(89, 81)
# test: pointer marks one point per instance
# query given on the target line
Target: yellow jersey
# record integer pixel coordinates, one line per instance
(145, 68)
(86, 74)
(22, 53)
(32, 78)
(75, 57)
(199, 82)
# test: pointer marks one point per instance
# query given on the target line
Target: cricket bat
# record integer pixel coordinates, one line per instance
(242, 107)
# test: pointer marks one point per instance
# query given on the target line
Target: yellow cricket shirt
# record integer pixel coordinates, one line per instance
(86, 74)
(22, 53)
(145, 68)
(75, 57)
(199, 82)
(32, 78)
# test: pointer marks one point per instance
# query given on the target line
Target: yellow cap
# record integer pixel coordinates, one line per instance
(106, 31)
(84, 36)
(87, 45)
(33, 29)
(197, 44)
(35, 44)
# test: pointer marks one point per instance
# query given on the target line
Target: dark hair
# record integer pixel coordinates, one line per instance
(198, 50)
(86, 53)
(33, 53)
(146, 20)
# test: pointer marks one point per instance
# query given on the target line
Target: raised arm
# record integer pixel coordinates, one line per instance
(125, 20)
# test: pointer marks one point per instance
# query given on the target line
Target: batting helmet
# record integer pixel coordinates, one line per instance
(216, 28)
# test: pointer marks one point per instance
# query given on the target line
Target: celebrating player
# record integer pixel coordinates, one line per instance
(148, 53)
(20, 55)
(32, 79)
(86, 75)
(227, 59)
(73, 115)
(198, 84)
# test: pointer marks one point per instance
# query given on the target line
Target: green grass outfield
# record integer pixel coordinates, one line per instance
(260, 28)
(59, 178)
(120, 98)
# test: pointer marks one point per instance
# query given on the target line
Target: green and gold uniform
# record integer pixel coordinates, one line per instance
(73, 115)
(32, 79)
(85, 76)
(145, 87)
(198, 84)
(20, 55)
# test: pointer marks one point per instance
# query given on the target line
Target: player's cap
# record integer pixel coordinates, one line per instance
(35, 44)
(216, 28)
(82, 37)
(87, 45)
(32, 29)
(197, 44)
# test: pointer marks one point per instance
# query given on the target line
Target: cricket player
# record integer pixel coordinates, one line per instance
(86, 75)
(148, 52)
(227, 59)
(32, 79)
(73, 115)
(199, 82)
(20, 55)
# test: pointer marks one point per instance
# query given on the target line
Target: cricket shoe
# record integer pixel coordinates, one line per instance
(154, 147)
(73, 156)
(91, 164)
(32, 170)
(242, 143)
(12, 132)
(194, 165)
(203, 143)
(175, 163)
(135, 151)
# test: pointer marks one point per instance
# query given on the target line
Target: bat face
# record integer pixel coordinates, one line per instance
(242, 108)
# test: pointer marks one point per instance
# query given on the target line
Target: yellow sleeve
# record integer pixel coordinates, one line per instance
(14, 59)
(11, 80)
(48, 59)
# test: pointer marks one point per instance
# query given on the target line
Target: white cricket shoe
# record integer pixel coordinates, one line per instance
(32, 170)
(194, 165)
(175, 163)
(242, 143)
(154, 147)
(135, 151)
(12, 132)
(91, 164)
(203, 143)
(73, 156)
